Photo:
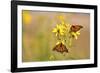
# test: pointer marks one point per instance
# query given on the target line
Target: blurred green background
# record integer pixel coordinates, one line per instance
(38, 39)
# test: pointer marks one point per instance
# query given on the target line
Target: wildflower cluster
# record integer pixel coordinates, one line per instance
(66, 32)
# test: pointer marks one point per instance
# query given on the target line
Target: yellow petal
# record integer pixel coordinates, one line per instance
(75, 35)
(57, 26)
(62, 41)
(57, 43)
(54, 30)
(56, 34)
(61, 33)
(78, 32)
(51, 57)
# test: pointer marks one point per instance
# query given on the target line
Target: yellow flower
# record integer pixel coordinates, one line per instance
(57, 43)
(62, 19)
(59, 30)
(67, 27)
(27, 17)
(75, 34)
(51, 57)
(60, 42)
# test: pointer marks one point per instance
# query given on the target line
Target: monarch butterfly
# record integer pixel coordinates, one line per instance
(60, 48)
(75, 28)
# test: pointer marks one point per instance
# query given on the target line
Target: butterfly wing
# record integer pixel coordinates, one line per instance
(75, 28)
(60, 48)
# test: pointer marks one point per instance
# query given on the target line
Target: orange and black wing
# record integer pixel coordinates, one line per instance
(75, 28)
(60, 48)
